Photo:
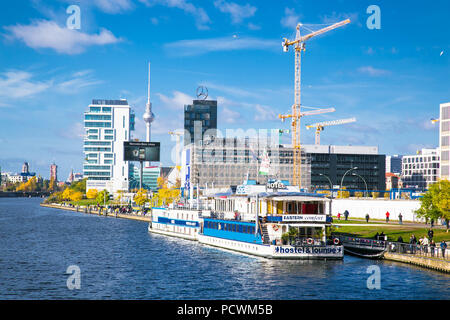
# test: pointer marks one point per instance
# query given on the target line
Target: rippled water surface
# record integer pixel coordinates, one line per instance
(119, 259)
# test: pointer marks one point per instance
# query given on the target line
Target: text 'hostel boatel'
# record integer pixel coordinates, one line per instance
(277, 222)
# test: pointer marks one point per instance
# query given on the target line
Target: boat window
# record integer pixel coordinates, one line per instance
(240, 228)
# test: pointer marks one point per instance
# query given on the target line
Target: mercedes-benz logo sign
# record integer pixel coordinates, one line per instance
(202, 92)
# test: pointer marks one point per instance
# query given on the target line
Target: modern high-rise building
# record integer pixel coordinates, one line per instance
(107, 124)
(199, 117)
(420, 170)
(54, 172)
(394, 164)
(444, 140)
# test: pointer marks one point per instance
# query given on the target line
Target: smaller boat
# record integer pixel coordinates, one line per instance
(362, 247)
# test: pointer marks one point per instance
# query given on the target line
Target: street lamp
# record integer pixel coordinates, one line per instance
(367, 191)
(342, 180)
(331, 184)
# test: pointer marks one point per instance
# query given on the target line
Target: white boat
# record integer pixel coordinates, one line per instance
(276, 224)
(176, 222)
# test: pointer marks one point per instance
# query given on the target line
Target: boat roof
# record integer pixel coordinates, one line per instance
(292, 196)
(278, 196)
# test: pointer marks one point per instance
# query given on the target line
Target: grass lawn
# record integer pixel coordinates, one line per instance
(84, 202)
(393, 232)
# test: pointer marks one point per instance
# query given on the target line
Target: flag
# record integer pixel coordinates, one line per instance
(265, 164)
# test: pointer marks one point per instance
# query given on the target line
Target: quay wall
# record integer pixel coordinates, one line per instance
(377, 208)
(430, 263)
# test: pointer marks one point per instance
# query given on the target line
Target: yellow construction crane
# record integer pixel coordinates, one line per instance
(299, 45)
(320, 126)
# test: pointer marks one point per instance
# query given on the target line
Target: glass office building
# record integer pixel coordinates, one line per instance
(199, 117)
(107, 124)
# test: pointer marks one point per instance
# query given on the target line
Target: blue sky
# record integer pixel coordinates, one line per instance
(392, 80)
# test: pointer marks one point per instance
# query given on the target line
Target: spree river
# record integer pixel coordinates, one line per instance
(119, 259)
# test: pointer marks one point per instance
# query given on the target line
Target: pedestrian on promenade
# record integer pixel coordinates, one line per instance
(425, 244)
(430, 234)
(387, 216)
(367, 218)
(339, 216)
(412, 242)
(447, 222)
(432, 223)
(346, 215)
(443, 248)
(400, 218)
(432, 247)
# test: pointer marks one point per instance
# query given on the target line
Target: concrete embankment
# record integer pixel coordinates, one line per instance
(85, 210)
(430, 263)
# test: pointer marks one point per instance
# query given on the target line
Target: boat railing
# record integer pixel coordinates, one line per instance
(308, 242)
(361, 241)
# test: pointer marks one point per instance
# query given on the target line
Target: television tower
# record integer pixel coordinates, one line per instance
(148, 115)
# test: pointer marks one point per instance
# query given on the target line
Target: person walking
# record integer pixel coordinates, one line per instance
(432, 247)
(387, 216)
(430, 234)
(339, 216)
(346, 215)
(412, 242)
(443, 248)
(367, 218)
(425, 244)
(400, 218)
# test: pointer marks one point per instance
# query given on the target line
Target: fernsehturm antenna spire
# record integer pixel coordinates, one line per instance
(148, 115)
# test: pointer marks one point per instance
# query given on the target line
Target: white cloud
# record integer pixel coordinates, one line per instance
(18, 84)
(201, 17)
(290, 19)
(234, 91)
(44, 34)
(176, 102)
(238, 12)
(252, 26)
(202, 46)
(373, 72)
(80, 80)
(264, 113)
(113, 6)
(337, 17)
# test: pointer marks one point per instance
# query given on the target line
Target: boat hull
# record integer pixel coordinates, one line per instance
(275, 251)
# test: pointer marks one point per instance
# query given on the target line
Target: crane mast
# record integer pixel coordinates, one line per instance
(299, 45)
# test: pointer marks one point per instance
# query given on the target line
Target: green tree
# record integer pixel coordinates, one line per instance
(435, 203)
(79, 186)
(102, 197)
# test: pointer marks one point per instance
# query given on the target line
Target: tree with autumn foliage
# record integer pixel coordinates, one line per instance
(435, 203)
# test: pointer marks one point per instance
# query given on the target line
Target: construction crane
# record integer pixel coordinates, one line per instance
(299, 45)
(320, 126)
(178, 137)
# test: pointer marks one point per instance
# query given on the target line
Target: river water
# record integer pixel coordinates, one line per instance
(119, 259)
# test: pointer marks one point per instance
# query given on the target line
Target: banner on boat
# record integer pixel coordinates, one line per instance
(303, 218)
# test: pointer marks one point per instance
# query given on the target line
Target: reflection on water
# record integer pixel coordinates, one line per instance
(119, 259)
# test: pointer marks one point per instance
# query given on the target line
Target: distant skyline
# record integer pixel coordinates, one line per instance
(392, 80)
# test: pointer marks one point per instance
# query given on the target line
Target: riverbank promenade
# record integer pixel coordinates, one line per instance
(91, 210)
